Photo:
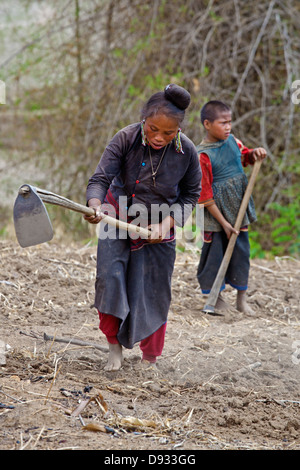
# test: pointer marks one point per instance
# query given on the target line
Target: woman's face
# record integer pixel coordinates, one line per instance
(160, 130)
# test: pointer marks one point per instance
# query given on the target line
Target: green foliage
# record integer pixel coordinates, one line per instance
(286, 228)
(156, 82)
(277, 232)
(256, 250)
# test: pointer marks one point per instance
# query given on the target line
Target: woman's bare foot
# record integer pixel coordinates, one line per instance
(242, 304)
(115, 357)
(221, 304)
(147, 364)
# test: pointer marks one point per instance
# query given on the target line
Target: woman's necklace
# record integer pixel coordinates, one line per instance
(154, 173)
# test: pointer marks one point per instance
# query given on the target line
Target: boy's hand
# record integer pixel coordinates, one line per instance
(259, 154)
(229, 229)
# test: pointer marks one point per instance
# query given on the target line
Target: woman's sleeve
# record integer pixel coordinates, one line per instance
(190, 187)
(206, 196)
(108, 167)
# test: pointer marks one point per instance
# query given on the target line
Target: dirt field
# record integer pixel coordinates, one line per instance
(223, 383)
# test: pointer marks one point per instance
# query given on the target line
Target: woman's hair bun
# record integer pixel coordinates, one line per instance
(179, 96)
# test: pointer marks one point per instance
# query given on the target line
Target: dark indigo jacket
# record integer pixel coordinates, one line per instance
(125, 170)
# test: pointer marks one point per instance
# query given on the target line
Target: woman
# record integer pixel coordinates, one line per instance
(152, 169)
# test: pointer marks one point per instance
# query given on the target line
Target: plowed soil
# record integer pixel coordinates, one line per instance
(223, 382)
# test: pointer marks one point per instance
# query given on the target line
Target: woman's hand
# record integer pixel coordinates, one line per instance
(96, 205)
(159, 231)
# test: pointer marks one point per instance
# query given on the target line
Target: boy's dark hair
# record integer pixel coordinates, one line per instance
(212, 109)
(172, 102)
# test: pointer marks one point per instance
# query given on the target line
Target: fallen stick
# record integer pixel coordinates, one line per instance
(248, 368)
(74, 341)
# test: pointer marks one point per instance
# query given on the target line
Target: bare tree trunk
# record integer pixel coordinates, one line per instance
(79, 58)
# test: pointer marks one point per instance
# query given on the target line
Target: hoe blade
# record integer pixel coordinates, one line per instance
(31, 220)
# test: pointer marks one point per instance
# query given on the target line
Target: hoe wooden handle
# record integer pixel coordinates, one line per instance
(58, 200)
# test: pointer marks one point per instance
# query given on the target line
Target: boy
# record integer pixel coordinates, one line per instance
(222, 158)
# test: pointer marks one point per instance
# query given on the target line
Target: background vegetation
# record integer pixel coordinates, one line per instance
(78, 70)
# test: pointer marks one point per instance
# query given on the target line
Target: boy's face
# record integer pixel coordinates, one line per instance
(220, 128)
